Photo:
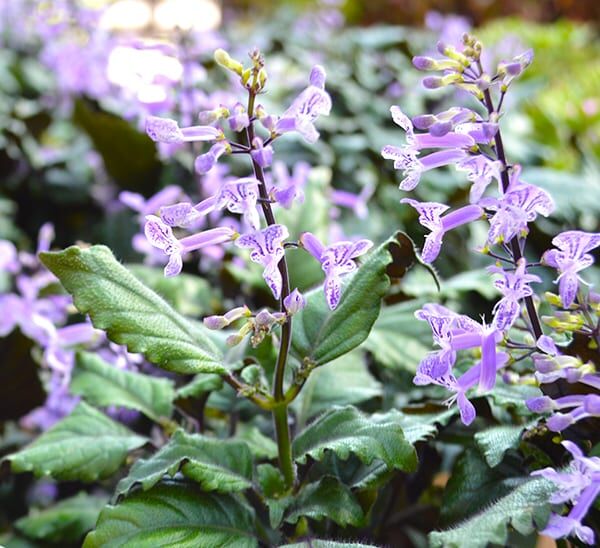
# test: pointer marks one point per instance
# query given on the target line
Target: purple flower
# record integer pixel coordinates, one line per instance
(8, 257)
(161, 236)
(336, 260)
(294, 302)
(267, 250)
(356, 202)
(571, 257)
(481, 170)
(313, 102)
(165, 130)
(240, 196)
(430, 217)
(519, 206)
(289, 187)
(579, 485)
(582, 407)
(151, 206)
(205, 162)
(262, 155)
(239, 119)
(514, 286)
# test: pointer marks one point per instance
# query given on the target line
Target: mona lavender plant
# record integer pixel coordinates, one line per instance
(471, 140)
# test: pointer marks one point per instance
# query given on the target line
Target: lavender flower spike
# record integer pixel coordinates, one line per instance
(161, 236)
(267, 250)
(580, 485)
(336, 260)
(313, 102)
(166, 130)
(571, 257)
(430, 217)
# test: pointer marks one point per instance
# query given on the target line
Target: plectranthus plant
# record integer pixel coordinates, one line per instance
(525, 339)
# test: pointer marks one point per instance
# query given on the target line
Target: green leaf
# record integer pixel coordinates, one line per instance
(199, 385)
(397, 340)
(327, 498)
(130, 313)
(344, 381)
(217, 465)
(175, 514)
(321, 335)
(85, 446)
(275, 492)
(318, 543)
(261, 446)
(421, 426)
(525, 508)
(103, 385)
(346, 430)
(496, 441)
(65, 522)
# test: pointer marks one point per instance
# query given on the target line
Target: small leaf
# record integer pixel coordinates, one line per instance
(85, 446)
(346, 430)
(327, 498)
(130, 313)
(496, 441)
(175, 514)
(199, 385)
(217, 465)
(525, 508)
(103, 385)
(274, 490)
(318, 543)
(65, 522)
(261, 446)
(321, 335)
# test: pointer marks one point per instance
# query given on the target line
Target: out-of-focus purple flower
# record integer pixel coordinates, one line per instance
(205, 162)
(152, 205)
(336, 260)
(262, 155)
(430, 216)
(166, 130)
(294, 302)
(161, 236)
(289, 187)
(579, 485)
(571, 257)
(519, 206)
(448, 28)
(514, 286)
(9, 261)
(267, 250)
(313, 102)
(220, 322)
(356, 202)
(582, 407)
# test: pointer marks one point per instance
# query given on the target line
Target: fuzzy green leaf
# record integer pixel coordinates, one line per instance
(65, 522)
(496, 441)
(86, 446)
(131, 313)
(199, 385)
(174, 514)
(321, 335)
(318, 543)
(217, 465)
(345, 430)
(525, 509)
(103, 385)
(327, 498)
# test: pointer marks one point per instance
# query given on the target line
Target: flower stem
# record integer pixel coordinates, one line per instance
(515, 248)
(280, 414)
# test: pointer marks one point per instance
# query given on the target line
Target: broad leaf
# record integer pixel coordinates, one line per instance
(321, 335)
(496, 441)
(217, 465)
(174, 514)
(419, 426)
(327, 498)
(318, 543)
(261, 446)
(86, 446)
(102, 384)
(130, 313)
(525, 509)
(199, 385)
(345, 430)
(65, 522)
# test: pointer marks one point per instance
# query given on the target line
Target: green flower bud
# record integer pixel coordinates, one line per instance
(224, 59)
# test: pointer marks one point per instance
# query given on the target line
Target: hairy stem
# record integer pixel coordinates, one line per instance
(515, 248)
(280, 414)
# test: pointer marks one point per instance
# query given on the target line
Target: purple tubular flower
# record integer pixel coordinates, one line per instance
(571, 257)
(144, 207)
(294, 302)
(289, 187)
(336, 260)
(514, 286)
(267, 250)
(430, 217)
(8, 257)
(205, 162)
(240, 196)
(239, 119)
(356, 202)
(580, 485)
(262, 155)
(582, 407)
(165, 130)
(313, 102)
(480, 171)
(161, 236)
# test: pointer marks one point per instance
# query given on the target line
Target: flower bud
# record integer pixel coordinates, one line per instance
(543, 404)
(215, 322)
(224, 59)
(294, 302)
